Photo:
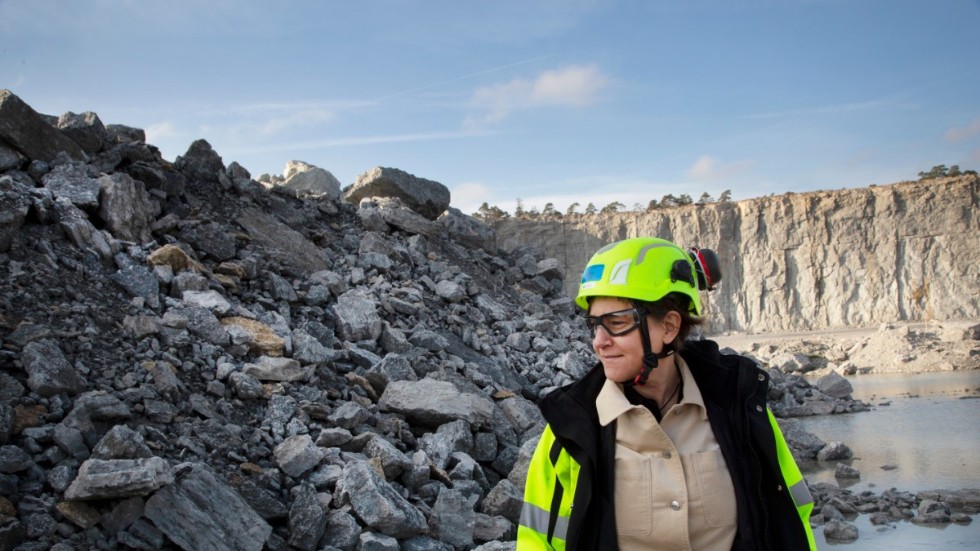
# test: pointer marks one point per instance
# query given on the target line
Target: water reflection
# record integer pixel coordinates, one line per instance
(923, 439)
(927, 432)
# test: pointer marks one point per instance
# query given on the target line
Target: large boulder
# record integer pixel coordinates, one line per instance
(115, 478)
(377, 503)
(76, 182)
(305, 179)
(394, 213)
(201, 511)
(468, 230)
(282, 243)
(201, 164)
(431, 403)
(85, 129)
(126, 207)
(426, 197)
(28, 132)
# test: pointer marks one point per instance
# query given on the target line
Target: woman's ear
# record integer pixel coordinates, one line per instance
(672, 326)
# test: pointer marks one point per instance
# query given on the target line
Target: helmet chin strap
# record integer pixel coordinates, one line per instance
(650, 359)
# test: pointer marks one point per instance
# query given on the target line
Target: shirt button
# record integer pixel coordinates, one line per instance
(779, 487)
(675, 505)
(758, 408)
(762, 377)
(667, 454)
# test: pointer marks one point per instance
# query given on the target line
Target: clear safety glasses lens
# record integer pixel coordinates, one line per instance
(616, 323)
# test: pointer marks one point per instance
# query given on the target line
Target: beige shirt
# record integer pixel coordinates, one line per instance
(673, 489)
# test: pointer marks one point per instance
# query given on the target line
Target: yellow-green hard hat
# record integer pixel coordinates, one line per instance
(642, 268)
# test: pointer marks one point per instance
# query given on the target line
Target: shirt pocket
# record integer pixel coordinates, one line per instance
(633, 494)
(717, 491)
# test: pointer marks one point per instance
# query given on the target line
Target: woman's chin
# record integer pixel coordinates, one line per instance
(619, 375)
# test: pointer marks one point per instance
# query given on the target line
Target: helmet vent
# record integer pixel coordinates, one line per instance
(681, 271)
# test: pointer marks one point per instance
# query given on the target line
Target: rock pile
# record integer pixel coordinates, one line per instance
(194, 359)
(903, 348)
(834, 507)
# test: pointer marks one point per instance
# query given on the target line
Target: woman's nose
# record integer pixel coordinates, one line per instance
(601, 337)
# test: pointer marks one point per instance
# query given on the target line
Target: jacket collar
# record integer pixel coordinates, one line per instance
(716, 381)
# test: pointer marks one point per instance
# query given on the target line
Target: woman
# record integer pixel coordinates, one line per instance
(665, 444)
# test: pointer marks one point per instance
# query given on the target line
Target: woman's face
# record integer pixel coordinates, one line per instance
(622, 356)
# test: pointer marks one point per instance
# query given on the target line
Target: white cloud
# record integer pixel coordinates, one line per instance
(468, 196)
(303, 117)
(828, 109)
(160, 131)
(269, 119)
(959, 134)
(353, 141)
(706, 168)
(575, 86)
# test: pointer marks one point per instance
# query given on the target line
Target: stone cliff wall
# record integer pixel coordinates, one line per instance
(853, 257)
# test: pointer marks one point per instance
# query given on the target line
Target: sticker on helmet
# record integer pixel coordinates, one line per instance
(593, 273)
(620, 271)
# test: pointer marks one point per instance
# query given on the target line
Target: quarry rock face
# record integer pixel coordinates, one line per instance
(803, 261)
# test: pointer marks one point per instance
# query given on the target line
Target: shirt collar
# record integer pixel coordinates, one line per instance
(611, 402)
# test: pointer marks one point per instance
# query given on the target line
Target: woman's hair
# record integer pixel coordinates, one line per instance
(678, 302)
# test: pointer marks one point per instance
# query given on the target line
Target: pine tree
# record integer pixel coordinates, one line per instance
(615, 206)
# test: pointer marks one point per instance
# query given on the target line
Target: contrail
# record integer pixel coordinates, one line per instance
(457, 79)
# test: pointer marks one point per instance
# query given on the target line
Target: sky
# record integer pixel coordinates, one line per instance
(556, 101)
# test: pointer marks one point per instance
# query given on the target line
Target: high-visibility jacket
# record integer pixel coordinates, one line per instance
(569, 491)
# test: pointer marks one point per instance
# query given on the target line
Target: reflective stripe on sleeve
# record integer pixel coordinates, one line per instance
(801, 494)
(536, 519)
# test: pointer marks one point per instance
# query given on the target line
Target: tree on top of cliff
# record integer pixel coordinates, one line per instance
(489, 214)
(615, 206)
(705, 199)
(519, 209)
(940, 171)
(550, 211)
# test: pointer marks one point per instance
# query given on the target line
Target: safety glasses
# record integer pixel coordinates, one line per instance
(616, 323)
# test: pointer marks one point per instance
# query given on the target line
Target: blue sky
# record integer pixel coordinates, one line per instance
(546, 101)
